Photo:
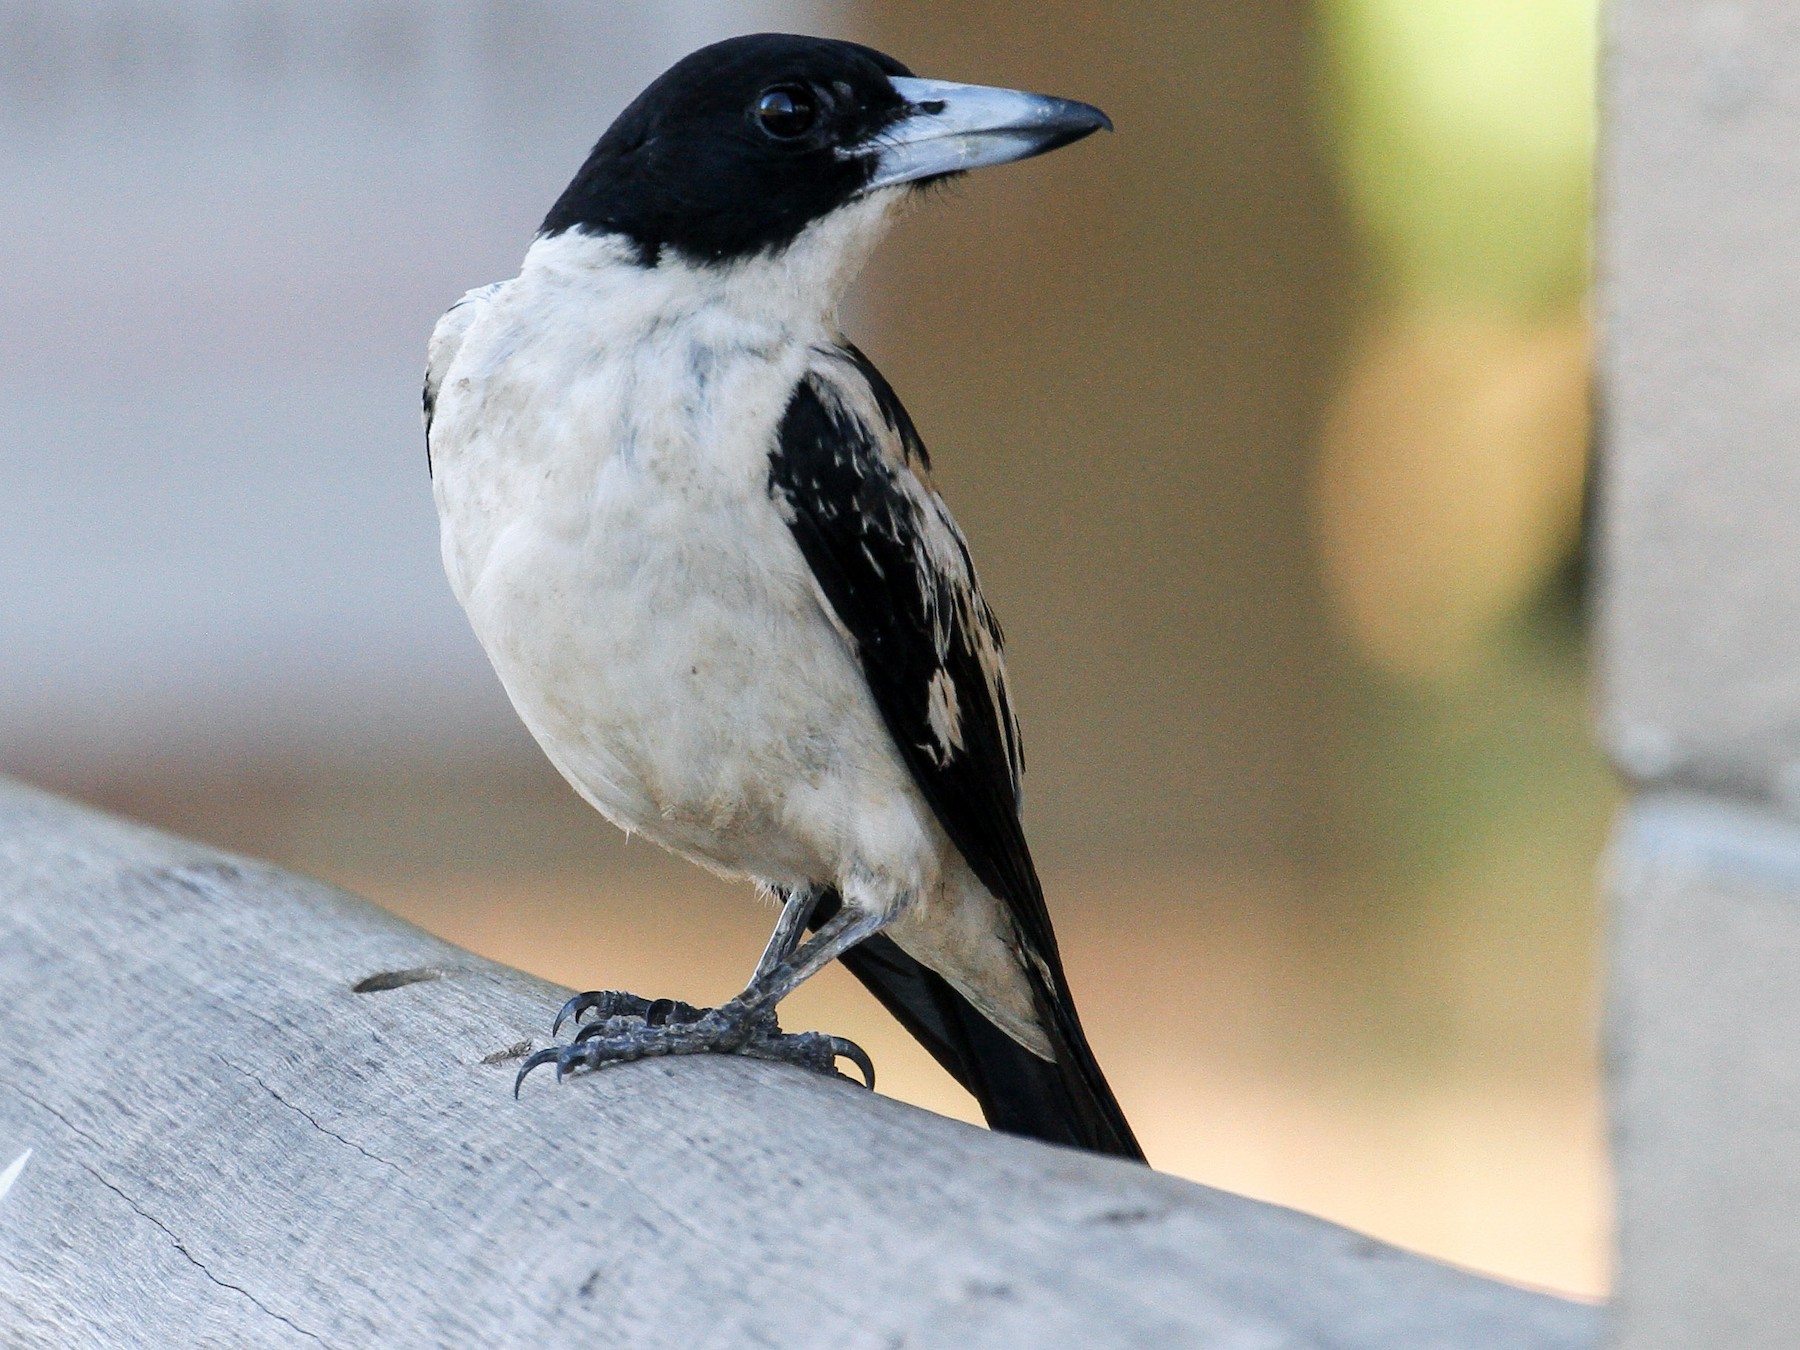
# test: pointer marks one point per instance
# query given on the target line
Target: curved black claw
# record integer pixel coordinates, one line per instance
(550, 1056)
(850, 1050)
(607, 1002)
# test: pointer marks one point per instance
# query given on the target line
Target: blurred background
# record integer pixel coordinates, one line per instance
(1267, 418)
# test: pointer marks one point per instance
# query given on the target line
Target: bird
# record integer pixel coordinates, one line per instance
(695, 530)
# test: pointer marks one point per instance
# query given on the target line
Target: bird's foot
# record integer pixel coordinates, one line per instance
(626, 1027)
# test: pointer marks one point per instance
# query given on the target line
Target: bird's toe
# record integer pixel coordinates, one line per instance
(604, 1003)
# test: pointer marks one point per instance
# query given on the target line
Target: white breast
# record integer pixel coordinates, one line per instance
(600, 447)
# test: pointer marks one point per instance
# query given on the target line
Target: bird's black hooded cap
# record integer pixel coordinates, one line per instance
(690, 167)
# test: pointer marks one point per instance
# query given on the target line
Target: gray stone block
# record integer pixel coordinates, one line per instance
(1704, 1038)
(1699, 257)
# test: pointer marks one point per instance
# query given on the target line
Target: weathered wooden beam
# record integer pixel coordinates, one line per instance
(232, 1146)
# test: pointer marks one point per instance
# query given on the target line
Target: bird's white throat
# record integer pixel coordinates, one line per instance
(793, 289)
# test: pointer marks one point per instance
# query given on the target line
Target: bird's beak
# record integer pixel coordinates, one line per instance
(950, 128)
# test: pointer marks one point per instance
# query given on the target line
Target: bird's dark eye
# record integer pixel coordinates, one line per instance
(787, 111)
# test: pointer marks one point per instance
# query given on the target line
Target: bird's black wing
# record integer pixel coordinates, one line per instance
(849, 474)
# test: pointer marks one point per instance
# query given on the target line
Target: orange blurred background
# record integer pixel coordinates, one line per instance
(1267, 420)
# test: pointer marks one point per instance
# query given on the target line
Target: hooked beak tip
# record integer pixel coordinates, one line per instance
(1084, 119)
(1084, 116)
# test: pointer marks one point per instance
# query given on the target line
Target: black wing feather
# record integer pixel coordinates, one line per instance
(862, 533)
(865, 520)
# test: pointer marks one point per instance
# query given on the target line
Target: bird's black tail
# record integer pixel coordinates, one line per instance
(1067, 1102)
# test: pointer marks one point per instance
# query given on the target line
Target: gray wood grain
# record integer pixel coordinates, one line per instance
(231, 1147)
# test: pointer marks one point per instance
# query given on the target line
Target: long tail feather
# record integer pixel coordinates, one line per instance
(1067, 1102)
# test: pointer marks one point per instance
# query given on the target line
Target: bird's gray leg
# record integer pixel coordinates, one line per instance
(796, 913)
(774, 981)
(630, 1028)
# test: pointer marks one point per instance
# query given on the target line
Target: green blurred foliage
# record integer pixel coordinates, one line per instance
(1464, 131)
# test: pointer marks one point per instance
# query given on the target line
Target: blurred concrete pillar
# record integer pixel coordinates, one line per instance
(1700, 287)
(1119, 355)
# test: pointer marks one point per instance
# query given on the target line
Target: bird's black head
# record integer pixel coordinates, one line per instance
(740, 146)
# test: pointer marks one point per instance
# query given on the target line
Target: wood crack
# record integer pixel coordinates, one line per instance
(197, 1263)
(159, 1225)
